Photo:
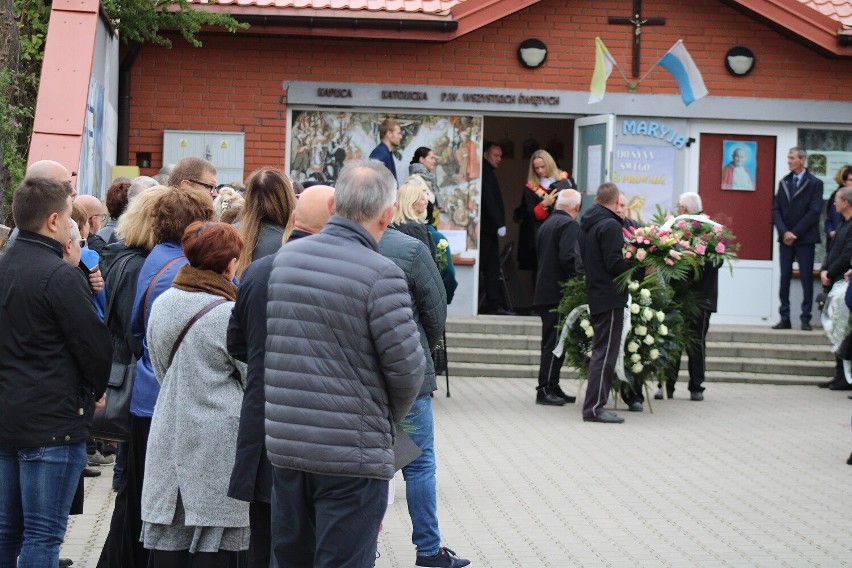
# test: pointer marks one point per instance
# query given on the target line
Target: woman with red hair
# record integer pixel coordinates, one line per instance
(188, 518)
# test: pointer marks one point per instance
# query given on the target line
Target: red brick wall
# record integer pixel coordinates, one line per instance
(235, 82)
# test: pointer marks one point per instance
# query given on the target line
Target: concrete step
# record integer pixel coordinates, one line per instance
(531, 326)
(459, 371)
(530, 357)
(509, 343)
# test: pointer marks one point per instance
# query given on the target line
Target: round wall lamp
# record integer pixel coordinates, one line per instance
(532, 53)
(739, 61)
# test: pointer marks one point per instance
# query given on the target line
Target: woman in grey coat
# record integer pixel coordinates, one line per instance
(188, 519)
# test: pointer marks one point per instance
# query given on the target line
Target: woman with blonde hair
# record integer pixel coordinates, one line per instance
(265, 224)
(536, 204)
(228, 205)
(410, 214)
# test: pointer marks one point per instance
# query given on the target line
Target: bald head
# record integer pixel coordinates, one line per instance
(50, 170)
(313, 208)
(94, 209)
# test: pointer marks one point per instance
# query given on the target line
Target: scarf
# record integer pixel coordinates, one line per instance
(193, 279)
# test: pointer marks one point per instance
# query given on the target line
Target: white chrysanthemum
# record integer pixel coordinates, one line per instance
(585, 323)
(634, 309)
(641, 330)
(661, 317)
(635, 358)
(664, 330)
(647, 314)
(644, 293)
(590, 332)
(633, 286)
(654, 354)
(633, 347)
(637, 368)
(649, 340)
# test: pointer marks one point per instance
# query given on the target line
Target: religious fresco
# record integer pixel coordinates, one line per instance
(322, 141)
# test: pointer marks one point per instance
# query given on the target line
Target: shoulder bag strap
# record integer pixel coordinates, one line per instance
(111, 293)
(154, 280)
(189, 324)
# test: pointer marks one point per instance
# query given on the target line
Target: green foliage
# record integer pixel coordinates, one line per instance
(143, 21)
(15, 125)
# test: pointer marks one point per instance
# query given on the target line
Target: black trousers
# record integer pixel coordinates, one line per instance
(550, 365)
(605, 347)
(489, 257)
(260, 545)
(325, 521)
(696, 353)
(122, 548)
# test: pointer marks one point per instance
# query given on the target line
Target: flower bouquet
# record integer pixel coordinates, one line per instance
(441, 254)
(575, 325)
(708, 239)
(658, 250)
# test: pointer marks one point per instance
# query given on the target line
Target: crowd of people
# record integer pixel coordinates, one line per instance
(277, 363)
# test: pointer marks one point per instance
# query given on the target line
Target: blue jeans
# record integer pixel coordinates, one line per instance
(37, 486)
(420, 479)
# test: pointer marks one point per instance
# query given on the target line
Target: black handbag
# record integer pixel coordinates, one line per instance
(112, 422)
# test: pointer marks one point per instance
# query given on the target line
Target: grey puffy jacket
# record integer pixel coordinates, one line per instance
(343, 356)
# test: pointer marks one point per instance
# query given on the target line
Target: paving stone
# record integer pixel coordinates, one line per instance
(752, 476)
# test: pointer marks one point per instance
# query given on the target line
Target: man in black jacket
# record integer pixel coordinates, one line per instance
(55, 359)
(251, 478)
(493, 226)
(601, 242)
(706, 291)
(558, 251)
(835, 265)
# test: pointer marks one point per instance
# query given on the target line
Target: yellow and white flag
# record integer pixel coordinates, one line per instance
(603, 69)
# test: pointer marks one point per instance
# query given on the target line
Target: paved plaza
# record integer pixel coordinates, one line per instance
(755, 475)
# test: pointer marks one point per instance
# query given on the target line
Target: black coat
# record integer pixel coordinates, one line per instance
(837, 260)
(251, 478)
(55, 353)
(493, 212)
(798, 210)
(558, 249)
(120, 267)
(601, 243)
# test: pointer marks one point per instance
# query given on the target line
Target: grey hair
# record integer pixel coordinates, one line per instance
(364, 190)
(140, 184)
(162, 176)
(846, 194)
(800, 151)
(691, 201)
(568, 198)
(74, 233)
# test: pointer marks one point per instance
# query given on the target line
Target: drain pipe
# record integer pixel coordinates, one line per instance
(123, 138)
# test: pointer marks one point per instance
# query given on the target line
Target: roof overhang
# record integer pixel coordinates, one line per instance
(801, 23)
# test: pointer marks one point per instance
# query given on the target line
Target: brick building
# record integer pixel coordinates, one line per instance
(306, 85)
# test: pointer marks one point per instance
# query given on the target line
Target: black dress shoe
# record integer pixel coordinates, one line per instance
(548, 399)
(605, 417)
(635, 406)
(91, 472)
(849, 460)
(557, 390)
(839, 386)
(783, 324)
(807, 326)
(65, 562)
(826, 384)
(696, 395)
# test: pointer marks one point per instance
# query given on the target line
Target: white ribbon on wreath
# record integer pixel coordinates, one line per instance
(700, 218)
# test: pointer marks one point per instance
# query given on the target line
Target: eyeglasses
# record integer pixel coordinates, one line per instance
(210, 187)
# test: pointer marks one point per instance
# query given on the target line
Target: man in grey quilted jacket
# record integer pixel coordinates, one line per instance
(343, 366)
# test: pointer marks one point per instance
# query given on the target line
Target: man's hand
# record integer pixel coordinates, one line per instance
(823, 276)
(788, 238)
(847, 274)
(100, 404)
(501, 232)
(96, 281)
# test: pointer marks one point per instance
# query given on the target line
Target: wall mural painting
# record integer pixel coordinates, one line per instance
(322, 141)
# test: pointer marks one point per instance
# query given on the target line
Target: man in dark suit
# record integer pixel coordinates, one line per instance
(493, 226)
(706, 290)
(558, 254)
(795, 212)
(836, 263)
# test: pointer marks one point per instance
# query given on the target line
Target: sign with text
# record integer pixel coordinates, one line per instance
(646, 176)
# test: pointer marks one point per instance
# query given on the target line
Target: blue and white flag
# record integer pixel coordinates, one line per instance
(678, 62)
